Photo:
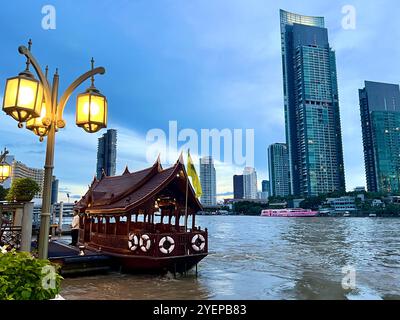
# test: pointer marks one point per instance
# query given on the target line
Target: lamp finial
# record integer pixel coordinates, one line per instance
(28, 61)
(92, 78)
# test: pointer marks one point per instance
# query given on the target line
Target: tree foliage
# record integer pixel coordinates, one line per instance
(249, 208)
(22, 189)
(3, 193)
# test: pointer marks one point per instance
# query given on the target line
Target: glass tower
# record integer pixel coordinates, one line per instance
(312, 118)
(238, 192)
(380, 122)
(107, 154)
(278, 166)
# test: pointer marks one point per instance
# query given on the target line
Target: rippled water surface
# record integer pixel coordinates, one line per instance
(271, 258)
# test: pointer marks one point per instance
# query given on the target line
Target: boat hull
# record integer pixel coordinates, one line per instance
(150, 264)
(139, 264)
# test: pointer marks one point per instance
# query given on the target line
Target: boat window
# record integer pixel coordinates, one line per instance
(112, 220)
(157, 218)
(123, 219)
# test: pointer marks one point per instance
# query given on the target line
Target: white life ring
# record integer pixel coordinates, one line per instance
(198, 242)
(171, 246)
(133, 242)
(145, 243)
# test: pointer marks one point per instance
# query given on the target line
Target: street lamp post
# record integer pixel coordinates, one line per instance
(36, 102)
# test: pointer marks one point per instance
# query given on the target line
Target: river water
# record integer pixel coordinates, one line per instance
(272, 258)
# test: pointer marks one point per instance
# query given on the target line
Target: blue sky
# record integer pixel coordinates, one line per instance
(204, 63)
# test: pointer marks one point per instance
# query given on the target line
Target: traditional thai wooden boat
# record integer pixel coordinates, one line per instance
(141, 219)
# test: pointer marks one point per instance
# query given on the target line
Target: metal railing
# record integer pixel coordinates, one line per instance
(10, 236)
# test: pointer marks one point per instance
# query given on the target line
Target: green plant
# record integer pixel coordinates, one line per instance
(23, 189)
(3, 193)
(23, 277)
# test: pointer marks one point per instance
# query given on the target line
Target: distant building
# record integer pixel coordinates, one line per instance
(265, 187)
(359, 189)
(311, 99)
(20, 170)
(228, 202)
(295, 203)
(249, 183)
(380, 121)
(68, 212)
(238, 192)
(278, 165)
(342, 204)
(208, 182)
(54, 190)
(262, 195)
(107, 154)
(68, 209)
(377, 203)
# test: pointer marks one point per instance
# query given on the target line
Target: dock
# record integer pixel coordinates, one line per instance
(74, 264)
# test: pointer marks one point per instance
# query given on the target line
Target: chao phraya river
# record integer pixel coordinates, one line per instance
(272, 258)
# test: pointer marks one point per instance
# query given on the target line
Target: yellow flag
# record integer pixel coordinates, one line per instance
(191, 171)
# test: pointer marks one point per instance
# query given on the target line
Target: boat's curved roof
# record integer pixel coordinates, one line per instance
(127, 192)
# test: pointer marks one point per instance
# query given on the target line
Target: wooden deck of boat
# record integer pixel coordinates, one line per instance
(73, 264)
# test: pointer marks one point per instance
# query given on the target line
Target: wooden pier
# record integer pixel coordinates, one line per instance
(74, 264)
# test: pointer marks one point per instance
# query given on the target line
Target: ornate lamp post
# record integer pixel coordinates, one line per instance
(5, 168)
(36, 103)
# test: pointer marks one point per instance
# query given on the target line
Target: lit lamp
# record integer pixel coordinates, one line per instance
(36, 124)
(91, 109)
(23, 96)
(5, 171)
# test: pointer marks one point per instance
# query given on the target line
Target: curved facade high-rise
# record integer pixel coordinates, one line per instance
(312, 117)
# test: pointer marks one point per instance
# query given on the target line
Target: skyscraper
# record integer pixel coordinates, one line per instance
(107, 153)
(265, 187)
(265, 190)
(208, 182)
(278, 166)
(312, 118)
(380, 122)
(238, 187)
(249, 183)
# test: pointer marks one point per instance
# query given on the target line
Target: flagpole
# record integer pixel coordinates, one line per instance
(186, 202)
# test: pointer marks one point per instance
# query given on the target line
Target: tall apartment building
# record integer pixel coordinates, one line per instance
(380, 122)
(278, 166)
(250, 183)
(311, 101)
(208, 182)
